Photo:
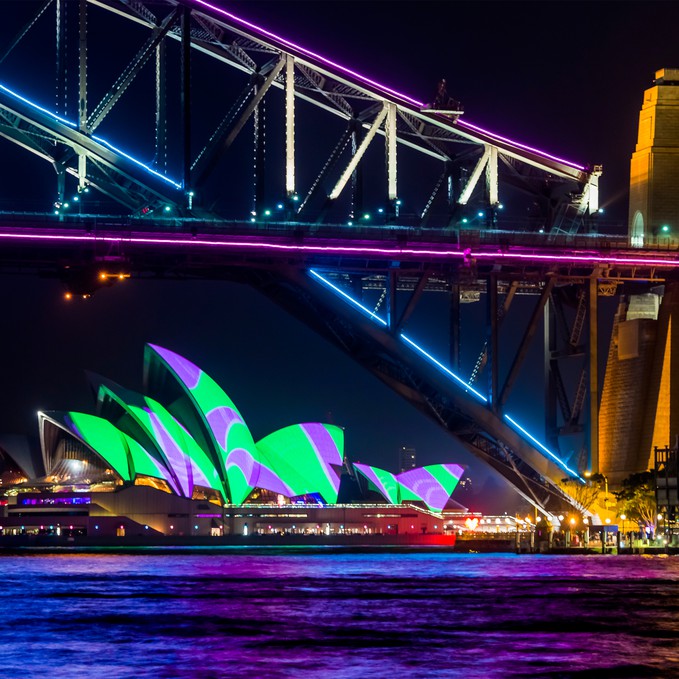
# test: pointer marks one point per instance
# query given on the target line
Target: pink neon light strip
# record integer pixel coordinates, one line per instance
(374, 83)
(476, 128)
(309, 53)
(439, 253)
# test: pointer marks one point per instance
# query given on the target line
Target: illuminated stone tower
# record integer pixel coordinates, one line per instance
(654, 171)
(640, 398)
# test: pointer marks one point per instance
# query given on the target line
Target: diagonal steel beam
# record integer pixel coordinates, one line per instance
(412, 301)
(212, 156)
(22, 33)
(474, 177)
(528, 335)
(128, 75)
(360, 152)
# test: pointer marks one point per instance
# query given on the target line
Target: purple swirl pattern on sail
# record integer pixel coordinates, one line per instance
(325, 449)
(268, 479)
(423, 485)
(430, 488)
(186, 371)
(369, 473)
(221, 420)
(243, 460)
(175, 456)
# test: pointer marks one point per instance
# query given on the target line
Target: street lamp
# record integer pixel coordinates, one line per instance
(605, 478)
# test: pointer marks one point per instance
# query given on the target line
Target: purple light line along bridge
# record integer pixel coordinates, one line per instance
(340, 199)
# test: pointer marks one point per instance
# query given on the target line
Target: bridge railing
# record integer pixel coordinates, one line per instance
(456, 236)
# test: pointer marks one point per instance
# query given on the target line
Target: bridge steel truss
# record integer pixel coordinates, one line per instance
(320, 273)
(327, 283)
(475, 166)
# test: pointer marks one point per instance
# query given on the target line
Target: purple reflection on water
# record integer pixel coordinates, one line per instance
(339, 613)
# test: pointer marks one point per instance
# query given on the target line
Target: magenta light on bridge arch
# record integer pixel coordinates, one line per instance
(308, 52)
(374, 83)
(476, 128)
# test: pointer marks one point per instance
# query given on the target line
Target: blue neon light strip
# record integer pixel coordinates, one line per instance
(99, 139)
(560, 462)
(440, 365)
(349, 299)
(448, 372)
(138, 162)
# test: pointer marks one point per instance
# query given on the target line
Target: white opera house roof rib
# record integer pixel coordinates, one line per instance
(180, 460)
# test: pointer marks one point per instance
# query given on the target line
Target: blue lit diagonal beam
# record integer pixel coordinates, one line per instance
(419, 377)
(144, 182)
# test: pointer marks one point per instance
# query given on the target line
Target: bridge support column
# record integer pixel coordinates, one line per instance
(289, 126)
(455, 327)
(551, 433)
(492, 341)
(390, 142)
(82, 99)
(593, 370)
(186, 95)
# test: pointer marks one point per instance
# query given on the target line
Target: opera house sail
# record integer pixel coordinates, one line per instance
(185, 438)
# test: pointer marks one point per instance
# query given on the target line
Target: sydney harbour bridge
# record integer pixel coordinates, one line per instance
(185, 142)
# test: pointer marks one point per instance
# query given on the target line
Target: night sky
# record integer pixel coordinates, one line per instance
(567, 77)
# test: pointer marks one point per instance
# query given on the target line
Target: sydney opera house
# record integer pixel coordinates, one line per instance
(180, 460)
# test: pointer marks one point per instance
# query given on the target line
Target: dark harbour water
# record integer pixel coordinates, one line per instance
(338, 614)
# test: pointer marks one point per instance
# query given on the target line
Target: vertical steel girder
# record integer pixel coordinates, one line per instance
(550, 365)
(454, 325)
(390, 142)
(82, 99)
(529, 332)
(289, 125)
(492, 177)
(492, 341)
(391, 283)
(259, 119)
(186, 96)
(61, 105)
(161, 121)
(593, 368)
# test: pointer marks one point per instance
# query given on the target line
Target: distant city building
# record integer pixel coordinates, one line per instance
(407, 458)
